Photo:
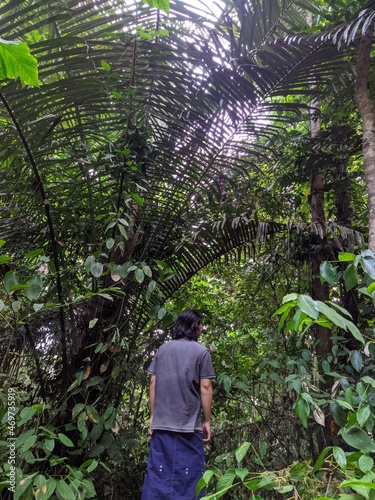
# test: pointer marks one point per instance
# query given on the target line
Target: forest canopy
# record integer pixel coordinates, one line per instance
(159, 155)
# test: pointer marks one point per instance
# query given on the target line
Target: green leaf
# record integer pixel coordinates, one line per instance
(93, 465)
(241, 451)
(64, 491)
(89, 262)
(340, 321)
(339, 456)
(350, 277)
(346, 257)
(363, 414)
(368, 265)
(138, 199)
(355, 332)
(108, 413)
(29, 443)
(92, 382)
(146, 269)
(241, 473)
(371, 288)
(139, 275)
(226, 480)
(162, 312)
(109, 243)
(284, 489)
(26, 414)
(45, 489)
(122, 231)
(255, 484)
(35, 253)
(328, 272)
(65, 440)
(77, 409)
(17, 62)
(359, 439)
(365, 463)
(23, 484)
(92, 414)
(96, 450)
(93, 322)
(158, 4)
(338, 413)
(332, 315)
(290, 297)
(16, 306)
(10, 280)
(357, 482)
(35, 287)
(321, 459)
(356, 360)
(105, 65)
(81, 424)
(97, 431)
(89, 488)
(204, 480)
(49, 445)
(308, 306)
(96, 269)
(302, 410)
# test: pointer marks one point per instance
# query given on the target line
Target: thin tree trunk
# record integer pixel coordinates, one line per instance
(319, 290)
(366, 107)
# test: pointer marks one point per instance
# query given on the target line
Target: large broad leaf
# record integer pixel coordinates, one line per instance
(328, 272)
(17, 62)
(340, 321)
(359, 439)
(308, 306)
(350, 277)
(368, 265)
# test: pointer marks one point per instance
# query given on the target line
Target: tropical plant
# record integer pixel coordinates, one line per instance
(344, 470)
(119, 176)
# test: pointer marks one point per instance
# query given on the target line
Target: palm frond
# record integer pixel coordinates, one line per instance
(144, 130)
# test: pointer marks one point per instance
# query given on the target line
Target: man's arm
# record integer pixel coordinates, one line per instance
(206, 398)
(152, 398)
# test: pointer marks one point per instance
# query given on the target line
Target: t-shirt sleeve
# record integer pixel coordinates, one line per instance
(152, 368)
(207, 369)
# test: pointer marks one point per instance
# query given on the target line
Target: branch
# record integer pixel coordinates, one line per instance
(54, 243)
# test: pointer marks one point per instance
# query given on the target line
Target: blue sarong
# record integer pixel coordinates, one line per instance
(175, 465)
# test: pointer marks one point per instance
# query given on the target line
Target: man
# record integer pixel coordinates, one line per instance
(180, 386)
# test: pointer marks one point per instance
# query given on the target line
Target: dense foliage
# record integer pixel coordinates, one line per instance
(156, 156)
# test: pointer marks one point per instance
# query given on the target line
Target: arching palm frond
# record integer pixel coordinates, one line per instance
(133, 132)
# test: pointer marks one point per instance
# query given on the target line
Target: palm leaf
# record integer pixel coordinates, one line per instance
(147, 130)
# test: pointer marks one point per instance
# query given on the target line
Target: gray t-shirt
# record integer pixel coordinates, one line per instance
(178, 366)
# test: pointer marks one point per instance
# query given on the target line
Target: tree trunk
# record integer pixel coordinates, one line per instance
(319, 291)
(366, 107)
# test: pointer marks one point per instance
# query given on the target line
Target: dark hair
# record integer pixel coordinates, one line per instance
(187, 325)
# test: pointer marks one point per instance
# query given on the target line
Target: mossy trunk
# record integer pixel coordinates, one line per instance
(366, 107)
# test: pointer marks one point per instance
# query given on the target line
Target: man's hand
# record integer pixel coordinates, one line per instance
(206, 432)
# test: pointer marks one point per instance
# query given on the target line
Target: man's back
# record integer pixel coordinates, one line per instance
(179, 366)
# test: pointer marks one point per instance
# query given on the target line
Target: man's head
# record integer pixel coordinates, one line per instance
(188, 325)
